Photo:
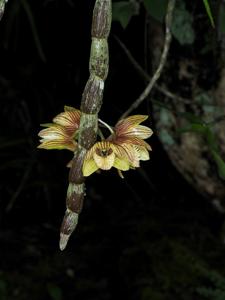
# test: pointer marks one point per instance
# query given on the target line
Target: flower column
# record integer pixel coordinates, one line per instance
(90, 106)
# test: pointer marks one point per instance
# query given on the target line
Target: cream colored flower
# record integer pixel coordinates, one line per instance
(62, 132)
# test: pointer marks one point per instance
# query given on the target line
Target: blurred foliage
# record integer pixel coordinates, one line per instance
(216, 286)
(184, 32)
(209, 12)
(156, 8)
(54, 291)
(182, 26)
(123, 12)
(205, 129)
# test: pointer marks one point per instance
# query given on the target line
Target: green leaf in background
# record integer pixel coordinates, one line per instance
(191, 117)
(211, 139)
(209, 12)
(54, 291)
(122, 12)
(203, 98)
(194, 127)
(182, 26)
(220, 164)
(156, 8)
(166, 137)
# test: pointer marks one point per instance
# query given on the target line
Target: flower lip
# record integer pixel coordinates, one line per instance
(104, 155)
(103, 152)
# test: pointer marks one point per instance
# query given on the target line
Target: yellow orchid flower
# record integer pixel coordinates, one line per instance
(123, 149)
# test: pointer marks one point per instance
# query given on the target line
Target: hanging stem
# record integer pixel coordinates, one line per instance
(90, 106)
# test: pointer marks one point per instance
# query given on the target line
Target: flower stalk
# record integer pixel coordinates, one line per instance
(90, 106)
(106, 125)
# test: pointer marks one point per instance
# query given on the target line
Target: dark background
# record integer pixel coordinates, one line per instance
(149, 236)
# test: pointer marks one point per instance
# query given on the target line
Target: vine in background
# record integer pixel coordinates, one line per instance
(146, 92)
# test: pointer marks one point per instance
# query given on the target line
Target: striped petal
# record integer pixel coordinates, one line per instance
(89, 167)
(132, 141)
(141, 152)
(123, 151)
(53, 132)
(124, 125)
(70, 120)
(55, 137)
(121, 164)
(128, 131)
(57, 145)
(140, 131)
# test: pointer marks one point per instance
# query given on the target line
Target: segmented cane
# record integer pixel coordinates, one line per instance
(90, 105)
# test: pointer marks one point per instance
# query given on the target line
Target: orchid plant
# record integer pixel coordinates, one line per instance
(78, 130)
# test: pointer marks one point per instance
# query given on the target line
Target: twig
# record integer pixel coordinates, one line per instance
(147, 77)
(146, 92)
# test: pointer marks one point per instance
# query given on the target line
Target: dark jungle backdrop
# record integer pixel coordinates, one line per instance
(159, 233)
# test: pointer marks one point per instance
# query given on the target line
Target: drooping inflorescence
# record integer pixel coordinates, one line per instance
(123, 149)
(77, 130)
